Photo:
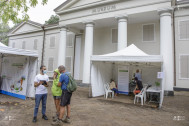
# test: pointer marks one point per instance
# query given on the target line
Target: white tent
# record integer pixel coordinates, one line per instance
(129, 54)
(18, 69)
(103, 66)
(1, 44)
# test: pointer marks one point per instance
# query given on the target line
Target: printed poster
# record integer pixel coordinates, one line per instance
(123, 78)
(14, 76)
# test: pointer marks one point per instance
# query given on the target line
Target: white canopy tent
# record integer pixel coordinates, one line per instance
(18, 70)
(103, 66)
(1, 44)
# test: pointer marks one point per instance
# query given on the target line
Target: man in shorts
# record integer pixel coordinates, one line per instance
(65, 97)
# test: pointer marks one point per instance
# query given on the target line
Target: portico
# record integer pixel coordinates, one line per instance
(98, 24)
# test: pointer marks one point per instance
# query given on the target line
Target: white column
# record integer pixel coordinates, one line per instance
(77, 57)
(62, 46)
(166, 48)
(88, 51)
(122, 31)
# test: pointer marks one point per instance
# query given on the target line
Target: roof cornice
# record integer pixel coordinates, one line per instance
(85, 6)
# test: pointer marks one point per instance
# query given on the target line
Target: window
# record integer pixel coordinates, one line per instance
(114, 35)
(13, 45)
(35, 44)
(70, 40)
(52, 42)
(68, 63)
(50, 64)
(184, 66)
(184, 30)
(23, 45)
(148, 33)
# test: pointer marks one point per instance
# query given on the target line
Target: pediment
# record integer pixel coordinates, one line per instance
(78, 4)
(25, 27)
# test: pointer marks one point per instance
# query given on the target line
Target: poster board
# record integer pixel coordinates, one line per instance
(14, 76)
(123, 79)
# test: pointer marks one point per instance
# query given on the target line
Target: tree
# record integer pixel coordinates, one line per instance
(53, 19)
(4, 29)
(10, 9)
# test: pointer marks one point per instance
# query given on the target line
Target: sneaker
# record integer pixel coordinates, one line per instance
(58, 122)
(66, 120)
(44, 117)
(34, 119)
(55, 118)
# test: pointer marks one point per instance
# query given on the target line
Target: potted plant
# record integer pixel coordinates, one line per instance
(157, 84)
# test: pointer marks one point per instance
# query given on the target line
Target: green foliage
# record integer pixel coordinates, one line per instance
(157, 84)
(9, 10)
(4, 29)
(53, 19)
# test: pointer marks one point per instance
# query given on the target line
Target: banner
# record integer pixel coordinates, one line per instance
(14, 76)
(123, 79)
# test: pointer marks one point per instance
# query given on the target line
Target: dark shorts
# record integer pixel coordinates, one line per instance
(65, 98)
(57, 97)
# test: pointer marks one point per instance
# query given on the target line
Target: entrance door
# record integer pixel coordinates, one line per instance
(77, 58)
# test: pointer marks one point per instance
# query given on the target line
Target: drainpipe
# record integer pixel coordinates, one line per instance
(43, 47)
(74, 54)
(174, 45)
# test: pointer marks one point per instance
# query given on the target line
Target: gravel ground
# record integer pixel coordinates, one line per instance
(99, 111)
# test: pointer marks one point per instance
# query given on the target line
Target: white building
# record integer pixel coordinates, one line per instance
(43, 39)
(105, 26)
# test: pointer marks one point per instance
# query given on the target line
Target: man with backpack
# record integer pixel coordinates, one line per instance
(65, 97)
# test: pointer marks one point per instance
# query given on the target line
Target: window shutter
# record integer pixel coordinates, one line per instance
(50, 64)
(148, 32)
(184, 66)
(114, 36)
(13, 45)
(70, 40)
(23, 45)
(35, 44)
(184, 30)
(68, 64)
(52, 41)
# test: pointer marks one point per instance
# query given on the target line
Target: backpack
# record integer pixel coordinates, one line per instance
(72, 85)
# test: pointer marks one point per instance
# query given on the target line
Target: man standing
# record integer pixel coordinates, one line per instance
(65, 97)
(41, 84)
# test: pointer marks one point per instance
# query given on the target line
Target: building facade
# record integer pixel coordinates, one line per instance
(44, 40)
(157, 27)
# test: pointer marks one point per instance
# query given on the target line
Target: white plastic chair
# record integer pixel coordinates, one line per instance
(141, 95)
(107, 90)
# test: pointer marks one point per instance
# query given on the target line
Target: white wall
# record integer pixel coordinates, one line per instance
(103, 44)
(181, 46)
(29, 39)
(135, 36)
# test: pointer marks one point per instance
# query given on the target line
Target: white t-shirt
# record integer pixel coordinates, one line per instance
(41, 89)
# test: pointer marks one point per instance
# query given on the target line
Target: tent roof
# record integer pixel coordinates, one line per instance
(15, 51)
(1, 44)
(129, 54)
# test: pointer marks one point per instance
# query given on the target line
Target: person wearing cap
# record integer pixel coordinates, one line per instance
(138, 87)
(56, 92)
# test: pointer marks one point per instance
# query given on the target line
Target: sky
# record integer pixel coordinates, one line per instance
(41, 13)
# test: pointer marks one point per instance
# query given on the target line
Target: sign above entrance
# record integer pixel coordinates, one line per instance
(104, 9)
